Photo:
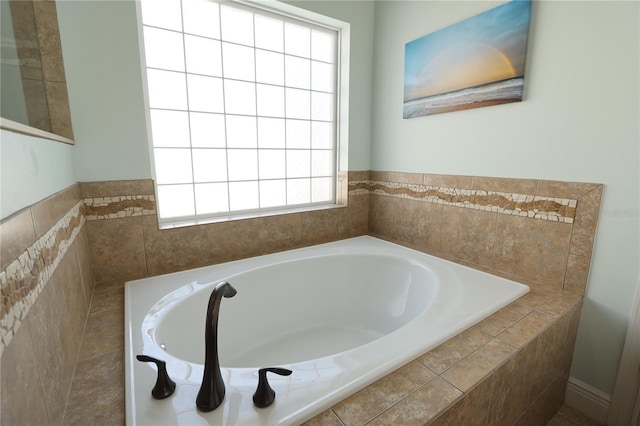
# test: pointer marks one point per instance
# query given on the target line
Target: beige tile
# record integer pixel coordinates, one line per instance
(468, 234)
(358, 175)
(279, 233)
(46, 214)
(97, 393)
(559, 420)
(23, 400)
(77, 304)
(559, 189)
(353, 220)
(503, 319)
(59, 112)
(559, 304)
(116, 188)
(421, 406)
(237, 239)
(448, 181)
(176, 249)
(570, 337)
(537, 296)
(450, 352)
(471, 409)
(378, 176)
(17, 233)
(402, 177)
(381, 395)
(517, 186)
(109, 295)
(549, 357)
(526, 329)
(117, 249)
(55, 347)
(49, 40)
(584, 227)
(575, 279)
(533, 249)
(510, 394)
(319, 226)
(327, 418)
(474, 368)
(576, 417)
(545, 407)
(104, 333)
(35, 97)
(83, 252)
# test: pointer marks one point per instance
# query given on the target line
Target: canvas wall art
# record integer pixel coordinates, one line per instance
(477, 62)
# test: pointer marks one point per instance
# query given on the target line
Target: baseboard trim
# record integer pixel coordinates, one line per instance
(588, 400)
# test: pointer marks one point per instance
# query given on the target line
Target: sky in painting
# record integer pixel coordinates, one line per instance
(488, 47)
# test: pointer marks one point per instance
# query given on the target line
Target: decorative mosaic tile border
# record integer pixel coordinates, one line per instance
(119, 206)
(24, 279)
(525, 205)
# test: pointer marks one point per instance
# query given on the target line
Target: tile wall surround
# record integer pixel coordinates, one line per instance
(47, 285)
(471, 220)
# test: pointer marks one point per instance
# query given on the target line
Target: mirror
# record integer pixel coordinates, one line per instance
(33, 88)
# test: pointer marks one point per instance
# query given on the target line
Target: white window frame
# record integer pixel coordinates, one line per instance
(341, 114)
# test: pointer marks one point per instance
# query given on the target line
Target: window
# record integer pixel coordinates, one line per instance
(242, 106)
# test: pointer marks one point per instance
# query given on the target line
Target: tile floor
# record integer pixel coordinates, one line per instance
(97, 391)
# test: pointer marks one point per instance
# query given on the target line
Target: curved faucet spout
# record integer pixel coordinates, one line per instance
(212, 390)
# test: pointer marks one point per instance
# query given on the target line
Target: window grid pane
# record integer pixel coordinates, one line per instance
(246, 106)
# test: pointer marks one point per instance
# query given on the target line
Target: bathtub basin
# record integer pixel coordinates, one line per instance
(340, 315)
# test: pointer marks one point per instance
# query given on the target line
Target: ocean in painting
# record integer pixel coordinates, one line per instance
(495, 93)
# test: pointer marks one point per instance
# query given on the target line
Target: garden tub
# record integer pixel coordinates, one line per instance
(339, 315)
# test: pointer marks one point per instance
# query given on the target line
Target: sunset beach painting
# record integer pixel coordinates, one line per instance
(477, 62)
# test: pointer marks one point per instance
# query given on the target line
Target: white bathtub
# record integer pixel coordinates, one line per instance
(340, 315)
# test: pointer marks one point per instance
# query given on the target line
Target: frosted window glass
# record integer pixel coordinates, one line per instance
(209, 165)
(207, 130)
(297, 103)
(321, 163)
(167, 89)
(269, 33)
(321, 190)
(297, 72)
(205, 93)
(273, 193)
(298, 191)
(298, 134)
(170, 128)
(163, 49)
(239, 97)
(322, 77)
(272, 163)
(297, 40)
(175, 200)
(238, 62)
(269, 67)
(201, 17)
(321, 135)
(241, 132)
(271, 133)
(243, 195)
(298, 163)
(212, 198)
(172, 165)
(243, 164)
(323, 46)
(237, 25)
(203, 56)
(162, 13)
(321, 106)
(270, 100)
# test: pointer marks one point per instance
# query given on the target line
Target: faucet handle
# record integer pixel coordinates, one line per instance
(264, 395)
(164, 385)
